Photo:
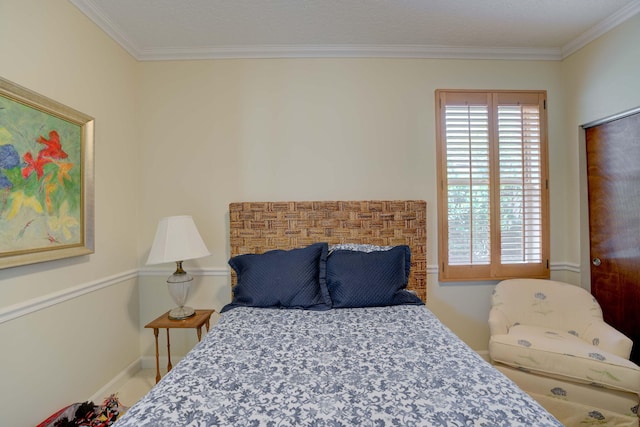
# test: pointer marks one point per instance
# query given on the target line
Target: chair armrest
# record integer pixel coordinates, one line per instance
(498, 323)
(604, 336)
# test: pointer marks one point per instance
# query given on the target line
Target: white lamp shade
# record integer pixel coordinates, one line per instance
(177, 239)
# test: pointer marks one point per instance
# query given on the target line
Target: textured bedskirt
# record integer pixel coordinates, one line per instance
(385, 366)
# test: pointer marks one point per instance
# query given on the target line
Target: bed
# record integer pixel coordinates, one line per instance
(327, 327)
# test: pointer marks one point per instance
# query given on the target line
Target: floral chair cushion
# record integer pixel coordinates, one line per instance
(556, 306)
(559, 353)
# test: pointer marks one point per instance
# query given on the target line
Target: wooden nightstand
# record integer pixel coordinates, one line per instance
(196, 322)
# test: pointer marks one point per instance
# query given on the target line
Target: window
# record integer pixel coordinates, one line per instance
(493, 203)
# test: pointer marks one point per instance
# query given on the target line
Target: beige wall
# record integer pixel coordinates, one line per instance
(315, 129)
(601, 80)
(53, 356)
(190, 137)
(356, 129)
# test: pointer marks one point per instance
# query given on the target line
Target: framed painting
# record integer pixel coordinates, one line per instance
(46, 179)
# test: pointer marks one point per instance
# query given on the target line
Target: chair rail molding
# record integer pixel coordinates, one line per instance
(14, 311)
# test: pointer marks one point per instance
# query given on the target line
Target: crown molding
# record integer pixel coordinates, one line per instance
(601, 28)
(349, 51)
(89, 8)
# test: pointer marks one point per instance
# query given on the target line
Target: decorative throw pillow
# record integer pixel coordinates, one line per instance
(369, 279)
(294, 278)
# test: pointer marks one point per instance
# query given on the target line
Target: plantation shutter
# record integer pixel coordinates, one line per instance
(493, 213)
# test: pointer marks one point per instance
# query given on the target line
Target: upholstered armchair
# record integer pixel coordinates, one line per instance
(550, 339)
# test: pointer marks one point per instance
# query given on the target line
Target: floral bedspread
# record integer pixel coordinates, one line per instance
(383, 366)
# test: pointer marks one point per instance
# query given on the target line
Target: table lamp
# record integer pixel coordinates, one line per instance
(177, 240)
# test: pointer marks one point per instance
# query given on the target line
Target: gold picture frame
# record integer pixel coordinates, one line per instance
(46, 178)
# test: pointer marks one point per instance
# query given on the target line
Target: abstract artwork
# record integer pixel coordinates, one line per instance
(46, 178)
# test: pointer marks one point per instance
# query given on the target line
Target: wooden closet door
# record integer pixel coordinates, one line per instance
(613, 172)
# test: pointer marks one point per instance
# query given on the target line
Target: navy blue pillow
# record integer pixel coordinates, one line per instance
(282, 279)
(370, 279)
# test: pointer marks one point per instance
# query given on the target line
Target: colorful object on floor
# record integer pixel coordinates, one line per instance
(87, 414)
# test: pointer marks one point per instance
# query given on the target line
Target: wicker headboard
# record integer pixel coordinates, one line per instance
(257, 227)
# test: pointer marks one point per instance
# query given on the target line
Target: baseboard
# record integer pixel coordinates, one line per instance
(115, 384)
(484, 354)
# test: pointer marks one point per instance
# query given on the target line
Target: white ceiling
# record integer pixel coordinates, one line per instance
(502, 29)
